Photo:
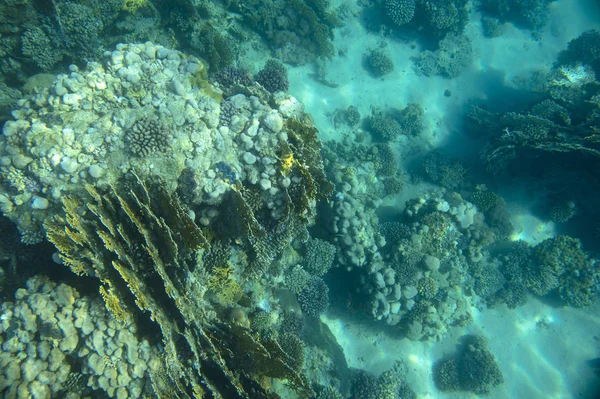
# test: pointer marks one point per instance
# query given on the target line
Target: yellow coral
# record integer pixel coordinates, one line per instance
(113, 304)
(221, 283)
(200, 79)
(133, 5)
(286, 163)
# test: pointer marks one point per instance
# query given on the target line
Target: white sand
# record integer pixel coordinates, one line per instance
(514, 54)
(541, 351)
(537, 362)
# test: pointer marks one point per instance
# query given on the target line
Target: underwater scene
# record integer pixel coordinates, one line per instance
(299, 199)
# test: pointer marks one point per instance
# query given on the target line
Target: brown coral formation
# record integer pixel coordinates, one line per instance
(144, 248)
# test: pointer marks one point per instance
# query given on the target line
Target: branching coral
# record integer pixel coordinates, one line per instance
(37, 45)
(314, 299)
(319, 256)
(479, 371)
(273, 77)
(532, 14)
(391, 384)
(577, 275)
(378, 63)
(443, 170)
(475, 369)
(585, 49)
(299, 31)
(556, 265)
(385, 160)
(513, 133)
(484, 199)
(384, 126)
(411, 119)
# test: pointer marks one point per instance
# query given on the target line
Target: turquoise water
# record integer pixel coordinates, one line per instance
(299, 199)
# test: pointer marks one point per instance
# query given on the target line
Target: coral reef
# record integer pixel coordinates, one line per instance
(174, 203)
(298, 30)
(415, 271)
(531, 14)
(511, 133)
(378, 63)
(445, 17)
(136, 235)
(147, 137)
(119, 108)
(391, 384)
(443, 170)
(384, 127)
(314, 298)
(583, 50)
(273, 77)
(319, 256)
(207, 229)
(75, 338)
(400, 12)
(453, 57)
(562, 258)
(474, 369)
(555, 266)
(566, 122)
(425, 271)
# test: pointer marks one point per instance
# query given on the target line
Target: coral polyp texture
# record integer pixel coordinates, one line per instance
(400, 12)
(273, 77)
(528, 14)
(143, 248)
(80, 347)
(149, 108)
(474, 369)
(174, 203)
